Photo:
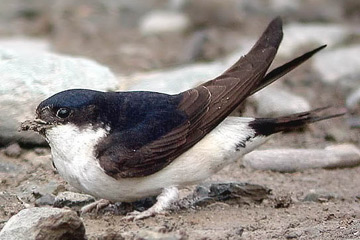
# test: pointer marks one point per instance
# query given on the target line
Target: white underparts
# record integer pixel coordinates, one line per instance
(73, 156)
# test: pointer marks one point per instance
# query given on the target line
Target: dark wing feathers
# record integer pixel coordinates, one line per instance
(204, 107)
(278, 72)
(227, 91)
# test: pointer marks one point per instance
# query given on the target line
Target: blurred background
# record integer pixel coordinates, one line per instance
(47, 46)
(168, 46)
(134, 35)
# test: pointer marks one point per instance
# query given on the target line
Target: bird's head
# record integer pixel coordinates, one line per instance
(80, 107)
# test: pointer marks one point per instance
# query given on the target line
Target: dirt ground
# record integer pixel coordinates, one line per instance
(334, 219)
(335, 214)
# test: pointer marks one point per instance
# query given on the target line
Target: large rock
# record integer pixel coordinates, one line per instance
(291, 160)
(339, 67)
(27, 79)
(44, 224)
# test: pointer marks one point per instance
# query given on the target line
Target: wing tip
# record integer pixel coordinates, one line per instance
(272, 35)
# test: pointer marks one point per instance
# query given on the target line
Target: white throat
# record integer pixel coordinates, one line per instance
(73, 150)
(70, 141)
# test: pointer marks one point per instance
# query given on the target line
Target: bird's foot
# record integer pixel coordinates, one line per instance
(97, 205)
(136, 215)
(164, 201)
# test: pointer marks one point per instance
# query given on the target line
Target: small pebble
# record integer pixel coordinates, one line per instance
(72, 199)
(13, 150)
(293, 235)
(319, 196)
(41, 151)
(353, 122)
(47, 199)
(282, 201)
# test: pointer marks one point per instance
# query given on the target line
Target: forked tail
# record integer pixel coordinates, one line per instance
(268, 126)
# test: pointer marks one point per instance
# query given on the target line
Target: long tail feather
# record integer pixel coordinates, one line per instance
(268, 126)
(278, 72)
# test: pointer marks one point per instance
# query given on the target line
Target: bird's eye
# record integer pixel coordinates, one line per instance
(63, 113)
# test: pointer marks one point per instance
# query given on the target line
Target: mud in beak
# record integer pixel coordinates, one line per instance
(36, 125)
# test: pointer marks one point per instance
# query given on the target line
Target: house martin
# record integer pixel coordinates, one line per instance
(124, 146)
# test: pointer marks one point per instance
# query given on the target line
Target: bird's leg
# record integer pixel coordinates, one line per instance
(164, 201)
(97, 205)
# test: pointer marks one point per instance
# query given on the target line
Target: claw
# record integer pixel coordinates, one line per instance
(97, 205)
(136, 215)
(164, 201)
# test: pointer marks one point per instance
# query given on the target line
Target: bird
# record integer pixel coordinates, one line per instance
(124, 146)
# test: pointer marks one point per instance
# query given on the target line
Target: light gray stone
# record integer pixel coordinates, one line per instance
(319, 196)
(175, 80)
(160, 22)
(353, 100)
(13, 150)
(353, 122)
(47, 199)
(25, 45)
(205, 194)
(291, 160)
(72, 199)
(346, 155)
(340, 67)
(9, 167)
(273, 101)
(27, 79)
(44, 224)
(300, 35)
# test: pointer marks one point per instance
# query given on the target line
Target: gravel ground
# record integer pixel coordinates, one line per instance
(312, 204)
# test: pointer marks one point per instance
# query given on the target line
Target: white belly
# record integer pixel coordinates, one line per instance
(73, 156)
